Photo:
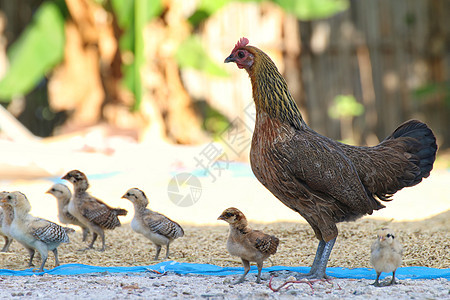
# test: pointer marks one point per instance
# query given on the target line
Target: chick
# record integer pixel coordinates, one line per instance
(35, 233)
(250, 245)
(63, 195)
(156, 227)
(90, 211)
(386, 255)
(6, 217)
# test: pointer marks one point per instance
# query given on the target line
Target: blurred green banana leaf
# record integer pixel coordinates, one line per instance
(132, 16)
(306, 10)
(37, 51)
(191, 54)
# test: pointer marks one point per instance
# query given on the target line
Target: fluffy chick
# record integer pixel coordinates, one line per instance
(35, 233)
(156, 227)
(250, 245)
(63, 195)
(6, 217)
(386, 255)
(90, 211)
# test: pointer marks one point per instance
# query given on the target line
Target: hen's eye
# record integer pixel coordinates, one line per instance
(389, 235)
(241, 54)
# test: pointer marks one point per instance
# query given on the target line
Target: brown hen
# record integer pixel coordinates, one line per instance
(323, 180)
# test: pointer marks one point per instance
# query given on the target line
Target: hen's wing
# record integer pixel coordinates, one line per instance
(263, 242)
(320, 169)
(162, 225)
(48, 232)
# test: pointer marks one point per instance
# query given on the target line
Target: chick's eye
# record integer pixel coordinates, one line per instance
(241, 54)
(228, 214)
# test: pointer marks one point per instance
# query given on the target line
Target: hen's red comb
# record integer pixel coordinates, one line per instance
(243, 41)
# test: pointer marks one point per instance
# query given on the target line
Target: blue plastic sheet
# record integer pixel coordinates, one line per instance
(205, 269)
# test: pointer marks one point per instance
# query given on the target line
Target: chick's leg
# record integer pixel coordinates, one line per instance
(31, 252)
(55, 252)
(377, 283)
(94, 237)
(393, 278)
(158, 249)
(102, 236)
(246, 264)
(167, 251)
(7, 243)
(44, 259)
(85, 232)
(260, 265)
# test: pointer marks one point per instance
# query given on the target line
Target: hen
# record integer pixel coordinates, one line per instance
(248, 244)
(90, 211)
(325, 181)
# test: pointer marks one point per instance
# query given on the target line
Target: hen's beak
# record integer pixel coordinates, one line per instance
(65, 177)
(229, 59)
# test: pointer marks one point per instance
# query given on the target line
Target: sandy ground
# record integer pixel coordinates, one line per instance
(149, 286)
(33, 168)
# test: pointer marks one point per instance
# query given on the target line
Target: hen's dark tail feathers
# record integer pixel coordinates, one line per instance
(420, 144)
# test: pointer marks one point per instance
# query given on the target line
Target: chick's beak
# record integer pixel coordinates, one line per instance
(229, 59)
(124, 196)
(221, 217)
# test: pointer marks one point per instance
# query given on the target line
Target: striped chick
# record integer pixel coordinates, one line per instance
(35, 233)
(63, 196)
(92, 212)
(156, 227)
(6, 217)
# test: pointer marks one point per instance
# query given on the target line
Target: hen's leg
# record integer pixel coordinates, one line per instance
(319, 253)
(320, 261)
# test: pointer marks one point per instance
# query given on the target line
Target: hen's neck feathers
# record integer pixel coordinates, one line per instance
(270, 90)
